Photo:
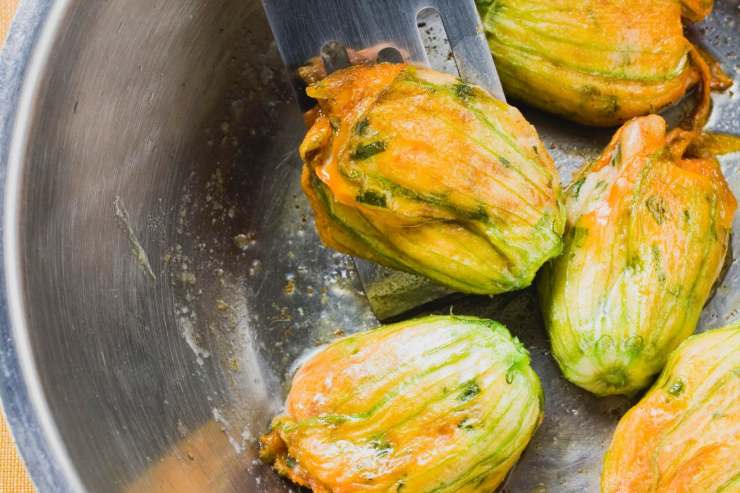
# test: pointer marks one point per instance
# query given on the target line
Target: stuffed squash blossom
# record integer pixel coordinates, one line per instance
(596, 62)
(421, 172)
(646, 239)
(687, 426)
(443, 404)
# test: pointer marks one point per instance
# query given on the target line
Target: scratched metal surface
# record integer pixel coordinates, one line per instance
(162, 267)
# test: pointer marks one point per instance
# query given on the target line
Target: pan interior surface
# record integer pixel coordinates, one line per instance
(169, 273)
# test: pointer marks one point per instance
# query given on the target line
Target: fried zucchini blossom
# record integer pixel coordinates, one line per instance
(595, 62)
(444, 404)
(646, 238)
(421, 172)
(684, 435)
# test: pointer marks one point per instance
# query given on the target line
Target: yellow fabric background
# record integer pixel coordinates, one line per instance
(13, 477)
(7, 9)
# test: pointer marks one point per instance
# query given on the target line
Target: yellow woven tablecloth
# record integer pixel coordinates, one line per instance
(13, 477)
(7, 9)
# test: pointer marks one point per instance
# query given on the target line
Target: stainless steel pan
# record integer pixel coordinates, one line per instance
(161, 272)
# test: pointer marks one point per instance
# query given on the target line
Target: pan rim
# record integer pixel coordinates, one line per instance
(22, 69)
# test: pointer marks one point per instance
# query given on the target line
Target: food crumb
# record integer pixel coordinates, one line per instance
(244, 241)
(187, 277)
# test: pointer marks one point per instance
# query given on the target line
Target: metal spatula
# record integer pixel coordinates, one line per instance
(305, 29)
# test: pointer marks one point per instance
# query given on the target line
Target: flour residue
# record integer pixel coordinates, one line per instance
(186, 321)
(238, 444)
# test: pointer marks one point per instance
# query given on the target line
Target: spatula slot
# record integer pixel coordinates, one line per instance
(335, 56)
(390, 55)
(435, 40)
